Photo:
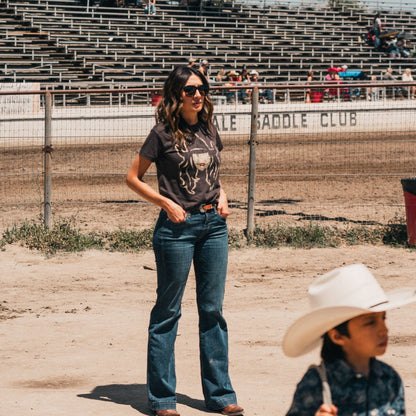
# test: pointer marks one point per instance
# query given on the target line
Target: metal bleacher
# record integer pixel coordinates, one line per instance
(59, 41)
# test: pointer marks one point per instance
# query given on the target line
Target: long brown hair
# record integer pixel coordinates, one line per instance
(169, 108)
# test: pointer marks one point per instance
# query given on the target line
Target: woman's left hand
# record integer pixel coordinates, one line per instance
(223, 204)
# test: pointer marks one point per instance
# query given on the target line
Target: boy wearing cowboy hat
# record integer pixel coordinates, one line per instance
(347, 317)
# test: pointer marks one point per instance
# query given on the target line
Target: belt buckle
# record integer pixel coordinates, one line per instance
(205, 207)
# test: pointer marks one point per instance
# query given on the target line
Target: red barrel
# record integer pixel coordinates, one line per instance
(409, 190)
(316, 97)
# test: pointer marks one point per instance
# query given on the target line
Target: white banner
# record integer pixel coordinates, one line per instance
(93, 124)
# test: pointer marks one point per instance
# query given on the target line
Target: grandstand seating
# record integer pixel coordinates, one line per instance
(60, 41)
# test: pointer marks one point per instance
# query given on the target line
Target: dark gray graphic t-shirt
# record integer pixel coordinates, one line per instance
(189, 175)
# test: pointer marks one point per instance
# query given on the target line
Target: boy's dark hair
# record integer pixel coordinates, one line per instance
(331, 352)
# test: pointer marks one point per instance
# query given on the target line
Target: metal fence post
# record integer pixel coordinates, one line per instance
(252, 162)
(47, 149)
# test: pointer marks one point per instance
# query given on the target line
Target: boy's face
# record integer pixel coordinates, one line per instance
(368, 337)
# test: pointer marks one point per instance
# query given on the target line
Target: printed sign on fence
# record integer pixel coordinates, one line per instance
(292, 121)
(19, 103)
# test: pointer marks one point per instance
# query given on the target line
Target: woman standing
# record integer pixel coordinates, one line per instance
(185, 146)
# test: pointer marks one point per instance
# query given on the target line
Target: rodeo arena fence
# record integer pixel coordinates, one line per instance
(291, 152)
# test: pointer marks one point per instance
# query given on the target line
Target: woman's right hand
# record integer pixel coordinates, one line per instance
(175, 212)
(327, 410)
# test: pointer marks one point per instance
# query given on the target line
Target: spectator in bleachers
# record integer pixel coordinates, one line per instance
(334, 78)
(330, 75)
(363, 76)
(388, 76)
(309, 79)
(265, 95)
(373, 93)
(231, 80)
(204, 68)
(233, 75)
(150, 7)
(377, 30)
(244, 77)
(369, 37)
(221, 75)
(407, 77)
(329, 78)
(390, 48)
(191, 62)
(341, 92)
(402, 47)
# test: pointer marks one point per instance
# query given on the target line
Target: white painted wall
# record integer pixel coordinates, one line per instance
(100, 124)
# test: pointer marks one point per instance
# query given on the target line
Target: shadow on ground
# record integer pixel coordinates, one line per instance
(135, 395)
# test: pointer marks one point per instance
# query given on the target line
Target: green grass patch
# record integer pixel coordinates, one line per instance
(318, 235)
(65, 236)
(294, 236)
(122, 240)
(395, 232)
(62, 236)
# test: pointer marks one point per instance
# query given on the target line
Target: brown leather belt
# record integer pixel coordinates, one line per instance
(204, 208)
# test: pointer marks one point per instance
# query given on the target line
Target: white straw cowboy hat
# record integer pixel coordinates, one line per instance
(336, 297)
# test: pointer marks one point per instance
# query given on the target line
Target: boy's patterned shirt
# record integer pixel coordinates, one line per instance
(352, 393)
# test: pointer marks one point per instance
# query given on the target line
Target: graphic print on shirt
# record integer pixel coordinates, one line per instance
(198, 163)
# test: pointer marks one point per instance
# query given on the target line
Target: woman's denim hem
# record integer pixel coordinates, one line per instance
(222, 402)
(162, 405)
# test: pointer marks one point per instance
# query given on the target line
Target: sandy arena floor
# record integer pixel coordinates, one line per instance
(73, 328)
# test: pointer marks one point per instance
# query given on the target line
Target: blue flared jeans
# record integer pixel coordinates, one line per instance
(203, 239)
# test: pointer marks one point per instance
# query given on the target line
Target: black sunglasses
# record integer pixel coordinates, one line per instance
(190, 90)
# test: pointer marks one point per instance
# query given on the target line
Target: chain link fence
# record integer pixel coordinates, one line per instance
(316, 157)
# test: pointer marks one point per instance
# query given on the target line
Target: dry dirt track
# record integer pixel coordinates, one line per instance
(73, 328)
(352, 177)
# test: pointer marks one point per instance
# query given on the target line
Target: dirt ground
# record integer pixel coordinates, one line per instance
(73, 328)
(340, 178)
